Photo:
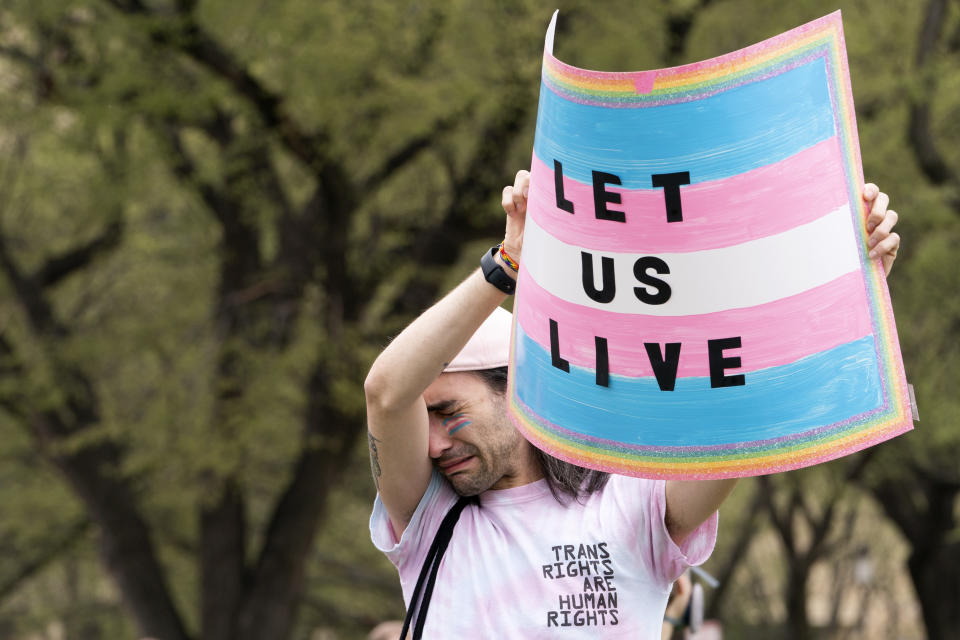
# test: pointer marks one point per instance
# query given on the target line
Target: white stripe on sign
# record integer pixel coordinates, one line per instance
(739, 276)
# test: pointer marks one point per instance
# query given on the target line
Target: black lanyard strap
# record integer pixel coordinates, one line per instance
(431, 564)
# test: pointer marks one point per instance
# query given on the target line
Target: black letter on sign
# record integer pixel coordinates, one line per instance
(562, 203)
(603, 361)
(609, 287)
(718, 363)
(558, 362)
(671, 192)
(662, 288)
(601, 197)
(665, 368)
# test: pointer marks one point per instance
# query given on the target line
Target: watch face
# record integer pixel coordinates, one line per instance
(495, 274)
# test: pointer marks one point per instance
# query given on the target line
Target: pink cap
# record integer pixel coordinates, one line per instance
(489, 347)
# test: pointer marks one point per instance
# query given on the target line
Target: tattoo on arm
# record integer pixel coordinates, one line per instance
(374, 460)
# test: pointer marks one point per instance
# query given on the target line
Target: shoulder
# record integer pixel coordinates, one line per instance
(628, 506)
(641, 508)
(436, 501)
(631, 493)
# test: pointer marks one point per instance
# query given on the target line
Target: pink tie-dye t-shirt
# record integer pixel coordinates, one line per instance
(521, 565)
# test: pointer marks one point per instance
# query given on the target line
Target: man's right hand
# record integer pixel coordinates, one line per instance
(514, 203)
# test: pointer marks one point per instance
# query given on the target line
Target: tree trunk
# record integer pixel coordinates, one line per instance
(222, 543)
(125, 542)
(923, 506)
(797, 626)
(936, 577)
(732, 562)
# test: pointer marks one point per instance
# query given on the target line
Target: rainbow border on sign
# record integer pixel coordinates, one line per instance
(822, 38)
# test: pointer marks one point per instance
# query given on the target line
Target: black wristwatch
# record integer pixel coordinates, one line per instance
(495, 274)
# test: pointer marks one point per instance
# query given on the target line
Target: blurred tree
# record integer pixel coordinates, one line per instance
(196, 379)
(806, 523)
(918, 484)
(212, 214)
(302, 235)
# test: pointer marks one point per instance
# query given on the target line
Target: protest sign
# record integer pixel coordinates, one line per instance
(695, 298)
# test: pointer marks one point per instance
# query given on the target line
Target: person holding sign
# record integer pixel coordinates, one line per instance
(544, 548)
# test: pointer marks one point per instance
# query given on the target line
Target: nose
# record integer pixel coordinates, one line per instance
(440, 440)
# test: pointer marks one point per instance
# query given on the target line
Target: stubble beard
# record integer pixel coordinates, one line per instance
(491, 467)
(472, 481)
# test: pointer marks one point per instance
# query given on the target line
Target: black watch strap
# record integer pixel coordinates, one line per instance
(495, 274)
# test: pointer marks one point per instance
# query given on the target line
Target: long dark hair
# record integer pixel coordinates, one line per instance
(566, 481)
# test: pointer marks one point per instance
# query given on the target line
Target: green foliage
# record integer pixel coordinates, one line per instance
(88, 98)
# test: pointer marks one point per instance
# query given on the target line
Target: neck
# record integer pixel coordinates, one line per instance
(526, 469)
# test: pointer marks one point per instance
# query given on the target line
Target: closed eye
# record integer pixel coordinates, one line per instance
(443, 409)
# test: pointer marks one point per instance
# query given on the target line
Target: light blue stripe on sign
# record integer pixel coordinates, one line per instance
(725, 134)
(819, 390)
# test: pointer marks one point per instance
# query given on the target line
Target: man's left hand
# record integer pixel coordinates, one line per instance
(882, 242)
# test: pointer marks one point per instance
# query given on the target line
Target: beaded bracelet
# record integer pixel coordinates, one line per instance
(510, 262)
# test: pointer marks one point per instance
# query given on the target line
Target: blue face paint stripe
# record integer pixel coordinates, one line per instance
(720, 136)
(821, 389)
(463, 422)
(458, 427)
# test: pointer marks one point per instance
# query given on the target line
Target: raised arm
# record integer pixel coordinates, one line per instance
(689, 504)
(397, 417)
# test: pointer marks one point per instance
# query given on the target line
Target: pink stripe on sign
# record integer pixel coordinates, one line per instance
(719, 213)
(643, 82)
(772, 334)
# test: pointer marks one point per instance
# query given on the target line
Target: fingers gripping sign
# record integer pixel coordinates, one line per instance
(514, 203)
(882, 242)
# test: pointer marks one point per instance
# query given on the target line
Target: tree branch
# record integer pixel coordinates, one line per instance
(11, 173)
(126, 545)
(29, 288)
(11, 396)
(222, 562)
(91, 471)
(186, 35)
(854, 468)
(19, 55)
(30, 296)
(679, 26)
(801, 504)
(186, 171)
(897, 502)
(412, 149)
(49, 550)
(919, 135)
(277, 582)
(733, 558)
(780, 522)
(59, 267)
(477, 187)
(129, 6)
(43, 78)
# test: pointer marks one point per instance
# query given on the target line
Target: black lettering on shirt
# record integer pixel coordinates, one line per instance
(587, 570)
